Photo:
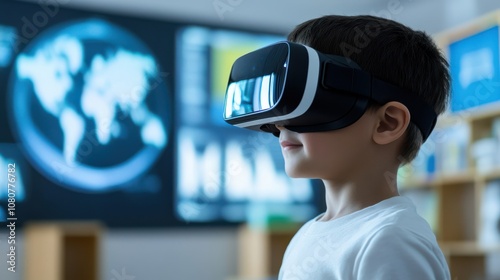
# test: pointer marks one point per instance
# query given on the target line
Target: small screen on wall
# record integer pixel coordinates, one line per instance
(475, 69)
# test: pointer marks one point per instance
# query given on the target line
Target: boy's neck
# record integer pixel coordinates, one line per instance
(348, 196)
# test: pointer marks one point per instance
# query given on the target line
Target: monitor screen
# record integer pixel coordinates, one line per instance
(475, 69)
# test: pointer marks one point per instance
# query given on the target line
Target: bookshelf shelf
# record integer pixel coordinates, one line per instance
(418, 183)
(471, 248)
(458, 178)
(490, 175)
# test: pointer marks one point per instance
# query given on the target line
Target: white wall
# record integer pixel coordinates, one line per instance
(282, 15)
(205, 254)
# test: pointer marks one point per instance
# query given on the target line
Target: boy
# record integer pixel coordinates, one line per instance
(368, 231)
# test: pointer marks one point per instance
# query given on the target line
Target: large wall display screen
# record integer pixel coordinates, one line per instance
(86, 114)
(118, 119)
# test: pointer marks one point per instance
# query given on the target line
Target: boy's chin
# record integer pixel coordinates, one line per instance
(296, 174)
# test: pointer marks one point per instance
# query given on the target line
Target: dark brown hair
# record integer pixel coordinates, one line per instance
(389, 51)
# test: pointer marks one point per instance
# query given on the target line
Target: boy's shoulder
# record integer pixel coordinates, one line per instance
(396, 215)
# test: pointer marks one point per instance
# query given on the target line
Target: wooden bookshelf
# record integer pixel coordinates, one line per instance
(460, 192)
(459, 200)
(261, 250)
(60, 251)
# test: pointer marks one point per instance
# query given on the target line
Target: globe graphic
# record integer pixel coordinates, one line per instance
(89, 105)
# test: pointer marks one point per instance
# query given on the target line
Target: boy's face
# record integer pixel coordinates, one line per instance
(331, 155)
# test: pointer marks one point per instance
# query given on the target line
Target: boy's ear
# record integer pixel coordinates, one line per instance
(393, 119)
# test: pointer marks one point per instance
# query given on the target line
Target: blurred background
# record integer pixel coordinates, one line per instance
(115, 162)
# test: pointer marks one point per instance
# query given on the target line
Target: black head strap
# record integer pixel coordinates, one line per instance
(336, 77)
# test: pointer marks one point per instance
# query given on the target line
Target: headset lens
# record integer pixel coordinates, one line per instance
(264, 89)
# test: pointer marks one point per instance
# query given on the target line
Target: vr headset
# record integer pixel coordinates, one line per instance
(304, 90)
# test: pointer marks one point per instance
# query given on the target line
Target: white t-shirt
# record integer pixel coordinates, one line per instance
(386, 241)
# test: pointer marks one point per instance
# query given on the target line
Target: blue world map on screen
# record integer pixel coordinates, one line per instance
(89, 105)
